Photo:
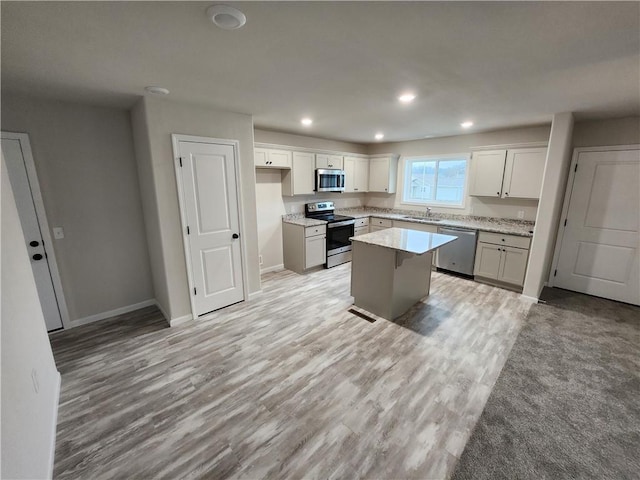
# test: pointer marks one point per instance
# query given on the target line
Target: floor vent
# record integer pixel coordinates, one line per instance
(362, 315)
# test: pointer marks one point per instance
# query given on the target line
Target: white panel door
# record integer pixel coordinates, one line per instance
(12, 152)
(210, 203)
(599, 251)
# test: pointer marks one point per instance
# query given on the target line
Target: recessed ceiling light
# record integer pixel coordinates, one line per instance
(226, 17)
(157, 90)
(379, 136)
(466, 124)
(306, 121)
(406, 97)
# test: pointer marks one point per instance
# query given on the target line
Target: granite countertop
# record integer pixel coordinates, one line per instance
(506, 226)
(405, 240)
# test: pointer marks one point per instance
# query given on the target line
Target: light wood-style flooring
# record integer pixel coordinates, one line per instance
(289, 385)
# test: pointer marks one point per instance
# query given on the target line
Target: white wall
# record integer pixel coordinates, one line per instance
(615, 131)
(556, 172)
(489, 207)
(154, 120)
(278, 138)
(28, 415)
(85, 161)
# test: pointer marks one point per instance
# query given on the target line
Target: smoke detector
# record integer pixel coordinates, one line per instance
(226, 17)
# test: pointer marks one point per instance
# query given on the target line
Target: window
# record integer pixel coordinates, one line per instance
(435, 180)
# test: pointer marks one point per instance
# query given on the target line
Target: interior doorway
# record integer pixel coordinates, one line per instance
(598, 248)
(17, 155)
(208, 184)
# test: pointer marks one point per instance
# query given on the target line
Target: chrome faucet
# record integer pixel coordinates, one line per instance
(428, 212)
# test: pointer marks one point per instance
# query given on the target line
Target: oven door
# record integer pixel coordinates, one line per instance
(338, 234)
(329, 180)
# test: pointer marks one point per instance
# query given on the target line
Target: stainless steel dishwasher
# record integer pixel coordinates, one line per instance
(458, 256)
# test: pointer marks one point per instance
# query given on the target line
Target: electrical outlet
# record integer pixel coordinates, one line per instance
(520, 213)
(260, 259)
(58, 233)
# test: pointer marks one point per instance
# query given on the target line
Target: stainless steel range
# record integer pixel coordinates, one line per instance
(339, 230)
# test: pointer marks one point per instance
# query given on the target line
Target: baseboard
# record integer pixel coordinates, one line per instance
(174, 322)
(54, 427)
(112, 313)
(275, 268)
(529, 299)
(254, 295)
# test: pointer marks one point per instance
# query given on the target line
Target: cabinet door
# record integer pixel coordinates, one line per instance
(303, 172)
(487, 171)
(487, 260)
(349, 174)
(315, 251)
(279, 158)
(361, 183)
(523, 173)
(360, 230)
(260, 157)
(329, 161)
(379, 175)
(513, 265)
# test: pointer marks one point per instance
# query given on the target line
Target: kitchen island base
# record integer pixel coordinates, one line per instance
(388, 282)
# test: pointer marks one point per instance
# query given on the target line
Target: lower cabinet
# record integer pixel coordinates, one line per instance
(304, 247)
(361, 226)
(376, 224)
(502, 258)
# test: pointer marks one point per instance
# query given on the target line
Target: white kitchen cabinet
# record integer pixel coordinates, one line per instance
(361, 226)
(356, 174)
(523, 173)
(376, 224)
(303, 247)
(502, 258)
(486, 173)
(509, 173)
(300, 180)
(383, 173)
(271, 158)
(324, 160)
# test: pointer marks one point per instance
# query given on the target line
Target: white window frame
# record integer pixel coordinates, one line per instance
(406, 180)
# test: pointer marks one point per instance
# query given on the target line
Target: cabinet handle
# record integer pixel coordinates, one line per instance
(355, 189)
(498, 193)
(503, 239)
(506, 194)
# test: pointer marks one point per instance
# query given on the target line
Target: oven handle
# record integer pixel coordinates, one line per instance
(341, 224)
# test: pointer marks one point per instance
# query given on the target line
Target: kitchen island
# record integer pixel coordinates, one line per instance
(391, 269)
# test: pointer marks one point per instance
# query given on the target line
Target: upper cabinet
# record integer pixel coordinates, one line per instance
(329, 161)
(509, 173)
(356, 178)
(383, 173)
(301, 178)
(271, 158)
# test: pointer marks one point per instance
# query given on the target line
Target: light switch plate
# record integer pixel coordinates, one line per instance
(58, 233)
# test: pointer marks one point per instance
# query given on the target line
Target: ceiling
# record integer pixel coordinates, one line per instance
(343, 64)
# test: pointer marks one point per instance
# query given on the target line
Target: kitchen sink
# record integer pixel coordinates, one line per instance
(422, 218)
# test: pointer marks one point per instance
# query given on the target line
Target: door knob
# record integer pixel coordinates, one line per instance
(33, 243)
(235, 235)
(37, 256)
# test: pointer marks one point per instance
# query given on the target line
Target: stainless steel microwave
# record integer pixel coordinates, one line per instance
(328, 180)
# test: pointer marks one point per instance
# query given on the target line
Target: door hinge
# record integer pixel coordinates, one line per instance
(188, 233)
(555, 272)
(180, 158)
(195, 292)
(576, 169)
(565, 222)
